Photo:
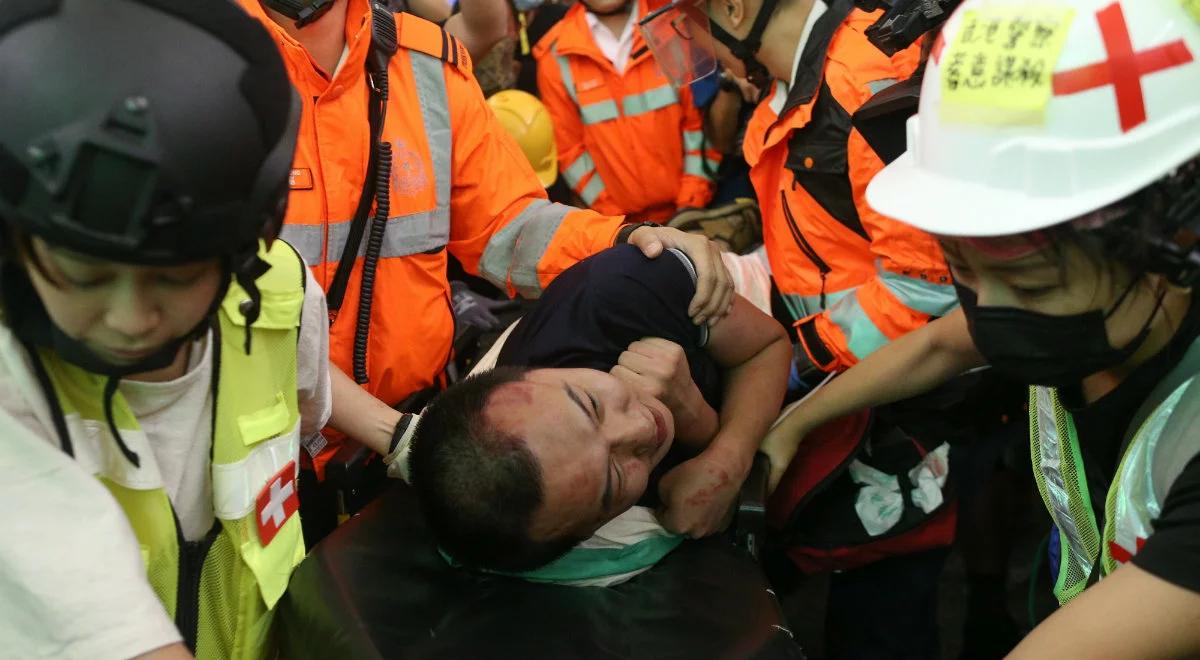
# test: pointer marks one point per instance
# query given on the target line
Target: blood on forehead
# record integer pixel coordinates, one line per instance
(508, 394)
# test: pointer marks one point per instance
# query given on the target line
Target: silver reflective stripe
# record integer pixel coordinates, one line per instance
(430, 78)
(579, 169)
(694, 165)
(513, 252)
(564, 67)
(591, 192)
(307, 239)
(1051, 456)
(403, 235)
(410, 233)
(594, 113)
(693, 140)
(922, 295)
(652, 99)
(877, 86)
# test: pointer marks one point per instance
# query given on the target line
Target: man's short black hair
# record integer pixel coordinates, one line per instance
(478, 486)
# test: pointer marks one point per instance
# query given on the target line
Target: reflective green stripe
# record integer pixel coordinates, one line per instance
(803, 306)
(564, 66)
(694, 165)
(862, 336)
(594, 113)
(513, 252)
(430, 80)
(653, 99)
(579, 169)
(403, 235)
(592, 190)
(580, 563)
(693, 140)
(589, 563)
(921, 295)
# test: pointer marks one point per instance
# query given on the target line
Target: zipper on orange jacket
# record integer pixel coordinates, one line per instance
(804, 245)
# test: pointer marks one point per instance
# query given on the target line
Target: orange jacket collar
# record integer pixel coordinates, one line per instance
(797, 109)
(573, 36)
(358, 34)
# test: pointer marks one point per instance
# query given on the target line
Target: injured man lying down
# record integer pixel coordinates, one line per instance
(611, 427)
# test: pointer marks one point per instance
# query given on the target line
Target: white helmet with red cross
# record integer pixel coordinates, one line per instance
(1035, 112)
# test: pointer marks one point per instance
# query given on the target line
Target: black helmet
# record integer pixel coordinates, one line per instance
(152, 132)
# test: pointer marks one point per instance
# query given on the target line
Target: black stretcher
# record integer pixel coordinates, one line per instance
(377, 588)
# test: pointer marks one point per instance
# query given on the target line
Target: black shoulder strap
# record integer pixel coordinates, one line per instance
(383, 47)
(56, 411)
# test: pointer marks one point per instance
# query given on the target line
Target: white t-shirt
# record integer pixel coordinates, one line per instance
(72, 583)
(615, 47)
(176, 417)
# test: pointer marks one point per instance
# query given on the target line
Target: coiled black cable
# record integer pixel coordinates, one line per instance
(383, 47)
(383, 175)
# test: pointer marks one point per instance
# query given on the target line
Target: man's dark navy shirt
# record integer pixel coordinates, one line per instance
(595, 309)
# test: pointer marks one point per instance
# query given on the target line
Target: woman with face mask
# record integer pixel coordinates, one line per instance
(1067, 200)
(155, 338)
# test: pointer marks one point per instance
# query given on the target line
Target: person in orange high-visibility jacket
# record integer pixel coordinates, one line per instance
(459, 186)
(628, 142)
(851, 278)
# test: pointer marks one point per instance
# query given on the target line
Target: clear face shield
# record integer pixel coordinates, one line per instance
(681, 40)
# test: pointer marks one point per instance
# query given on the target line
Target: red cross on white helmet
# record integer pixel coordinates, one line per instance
(1035, 112)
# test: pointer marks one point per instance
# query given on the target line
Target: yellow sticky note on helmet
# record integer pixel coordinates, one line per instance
(1193, 8)
(999, 68)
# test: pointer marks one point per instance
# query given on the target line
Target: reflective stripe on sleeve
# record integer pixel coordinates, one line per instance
(591, 192)
(693, 140)
(582, 166)
(514, 251)
(922, 295)
(695, 166)
(862, 335)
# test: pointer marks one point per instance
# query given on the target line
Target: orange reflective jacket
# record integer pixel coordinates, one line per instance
(852, 279)
(627, 142)
(459, 185)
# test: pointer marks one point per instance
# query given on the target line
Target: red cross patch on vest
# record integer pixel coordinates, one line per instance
(276, 502)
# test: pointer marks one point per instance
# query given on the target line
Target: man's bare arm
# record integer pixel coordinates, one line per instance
(360, 415)
(480, 24)
(908, 366)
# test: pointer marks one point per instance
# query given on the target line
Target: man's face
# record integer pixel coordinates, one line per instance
(595, 438)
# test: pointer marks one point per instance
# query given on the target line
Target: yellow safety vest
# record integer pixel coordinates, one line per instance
(221, 591)
(1160, 446)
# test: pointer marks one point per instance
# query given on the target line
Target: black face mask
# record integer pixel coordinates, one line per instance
(1040, 349)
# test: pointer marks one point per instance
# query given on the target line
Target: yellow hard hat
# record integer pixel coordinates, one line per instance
(526, 119)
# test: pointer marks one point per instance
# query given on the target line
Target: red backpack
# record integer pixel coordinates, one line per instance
(813, 511)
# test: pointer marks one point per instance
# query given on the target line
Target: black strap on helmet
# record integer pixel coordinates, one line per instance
(746, 49)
